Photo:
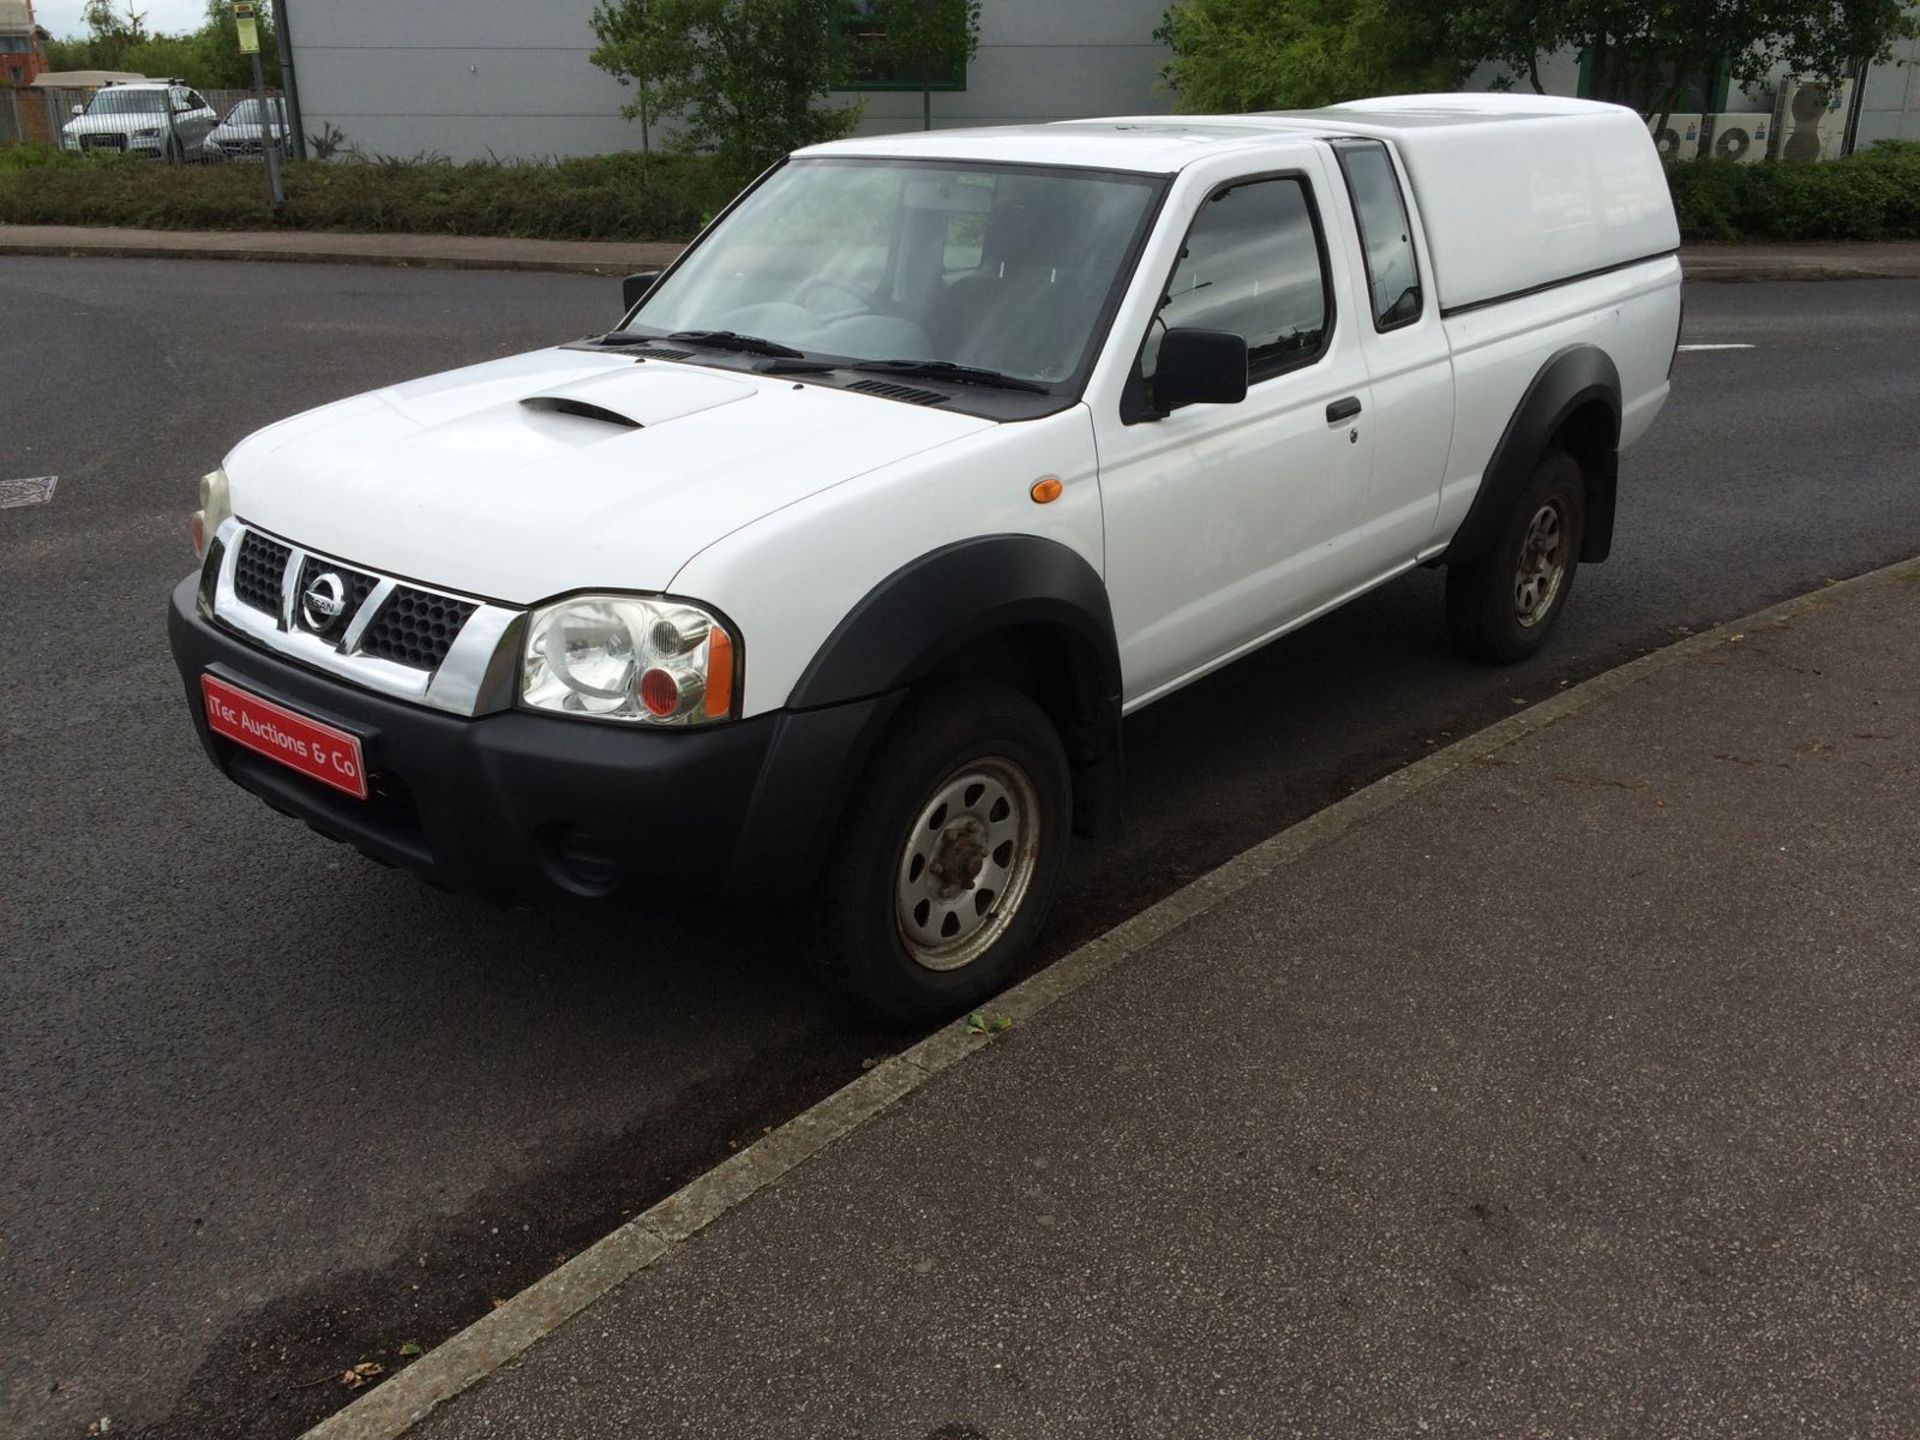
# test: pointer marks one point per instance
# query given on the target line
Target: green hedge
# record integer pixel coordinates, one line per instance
(1874, 195)
(597, 197)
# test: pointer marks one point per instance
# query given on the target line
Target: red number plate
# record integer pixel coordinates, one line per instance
(328, 755)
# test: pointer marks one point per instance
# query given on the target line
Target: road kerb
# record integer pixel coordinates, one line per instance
(483, 1347)
(481, 252)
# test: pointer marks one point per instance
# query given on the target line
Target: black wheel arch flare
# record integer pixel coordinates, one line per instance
(943, 605)
(1576, 398)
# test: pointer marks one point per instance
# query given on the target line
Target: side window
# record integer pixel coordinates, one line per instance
(194, 102)
(1251, 265)
(1393, 272)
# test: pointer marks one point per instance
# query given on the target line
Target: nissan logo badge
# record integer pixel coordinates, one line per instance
(323, 603)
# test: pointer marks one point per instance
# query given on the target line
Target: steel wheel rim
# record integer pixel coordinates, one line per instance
(1543, 565)
(967, 863)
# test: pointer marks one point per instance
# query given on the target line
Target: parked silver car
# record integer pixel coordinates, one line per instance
(162, 118)
(238, 136)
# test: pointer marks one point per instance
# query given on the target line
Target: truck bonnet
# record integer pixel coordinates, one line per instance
(528, 477)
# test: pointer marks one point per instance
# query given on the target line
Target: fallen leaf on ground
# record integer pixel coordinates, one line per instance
(360, 1374)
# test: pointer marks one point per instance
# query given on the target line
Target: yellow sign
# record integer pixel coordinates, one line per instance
(249, 32)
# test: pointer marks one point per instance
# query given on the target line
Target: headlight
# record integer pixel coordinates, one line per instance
(622, 657)
(151, 132)
(213, 511)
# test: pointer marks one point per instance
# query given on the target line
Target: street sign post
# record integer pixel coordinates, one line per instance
(248, 30)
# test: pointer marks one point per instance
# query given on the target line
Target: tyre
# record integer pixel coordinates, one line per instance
(1501, 608)
(948, 857)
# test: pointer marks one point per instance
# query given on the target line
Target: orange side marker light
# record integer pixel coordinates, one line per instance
(719, 699)
(1046, 490)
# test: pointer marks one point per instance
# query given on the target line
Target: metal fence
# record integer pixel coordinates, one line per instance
(33, 116)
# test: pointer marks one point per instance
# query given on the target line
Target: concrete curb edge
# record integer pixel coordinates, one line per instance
(1705, 269)
(136, 250)
(409, 1396)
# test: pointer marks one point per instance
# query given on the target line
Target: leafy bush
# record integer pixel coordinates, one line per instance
(34, 157)
(1873, 195)
(666, 197)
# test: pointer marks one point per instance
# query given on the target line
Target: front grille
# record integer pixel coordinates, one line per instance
(358, 587)
(416, 628)
(257, 573)
(103, 142)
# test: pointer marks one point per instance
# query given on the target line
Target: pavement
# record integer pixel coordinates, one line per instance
(446, 252)
(1560, 1084)
(1890, 259)
(271, 1109)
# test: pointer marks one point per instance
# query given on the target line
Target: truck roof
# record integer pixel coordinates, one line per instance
(1164, 144)
(1514, 191)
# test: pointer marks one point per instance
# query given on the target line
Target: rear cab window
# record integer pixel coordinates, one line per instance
(1386, 235)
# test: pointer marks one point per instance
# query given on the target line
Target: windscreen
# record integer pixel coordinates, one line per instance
(1005, 268)
(247, 112)
(129, 102)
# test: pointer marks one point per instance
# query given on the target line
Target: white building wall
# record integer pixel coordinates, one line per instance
(1891, 107)
(1043, 60)
(464, 78)
(469, 78)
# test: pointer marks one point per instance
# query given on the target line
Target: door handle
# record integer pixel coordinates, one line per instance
(1341, 410)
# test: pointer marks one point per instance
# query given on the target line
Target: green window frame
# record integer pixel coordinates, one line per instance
(866, 37)
(1719, 76)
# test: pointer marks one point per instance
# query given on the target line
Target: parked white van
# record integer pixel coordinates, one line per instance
(834, 568)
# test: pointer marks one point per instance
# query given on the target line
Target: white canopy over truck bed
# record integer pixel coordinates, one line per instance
(1578, 185)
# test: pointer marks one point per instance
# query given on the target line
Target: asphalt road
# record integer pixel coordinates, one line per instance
(267, 1109)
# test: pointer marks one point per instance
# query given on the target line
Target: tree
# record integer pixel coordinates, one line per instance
(112, 34)
(746, 76)
(1646, 52)
(117, 39)
(1239, 55)
(216, 59)
(642, 47)
(927, 40)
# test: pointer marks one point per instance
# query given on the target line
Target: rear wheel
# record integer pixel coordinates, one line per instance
(1502, 607)
(949, 856)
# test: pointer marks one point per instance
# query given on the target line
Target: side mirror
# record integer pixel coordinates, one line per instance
(635, 287)
(1200, 367)
(79, 109)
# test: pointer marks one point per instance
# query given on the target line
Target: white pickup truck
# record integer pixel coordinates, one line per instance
(832, 571)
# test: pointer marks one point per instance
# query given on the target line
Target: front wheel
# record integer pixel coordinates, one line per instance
(949, 856)
(1501, 608)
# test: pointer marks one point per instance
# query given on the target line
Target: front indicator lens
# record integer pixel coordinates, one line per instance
(215, 507)
(620, 657)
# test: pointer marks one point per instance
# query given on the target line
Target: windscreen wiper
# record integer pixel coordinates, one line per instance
(947, 370)
(733, 340)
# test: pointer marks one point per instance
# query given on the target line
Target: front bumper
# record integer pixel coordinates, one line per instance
(516, 805)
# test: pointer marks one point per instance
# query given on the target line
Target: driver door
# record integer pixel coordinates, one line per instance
(1227, 523)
